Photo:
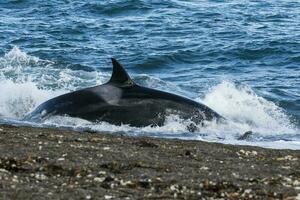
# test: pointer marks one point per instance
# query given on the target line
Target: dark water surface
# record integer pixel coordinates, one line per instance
(242, 58)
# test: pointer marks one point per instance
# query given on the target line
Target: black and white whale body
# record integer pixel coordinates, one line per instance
(121, 101)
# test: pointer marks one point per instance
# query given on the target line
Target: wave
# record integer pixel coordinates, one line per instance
(239, 104)
(248, 111)
(28, 81)
(21, 98)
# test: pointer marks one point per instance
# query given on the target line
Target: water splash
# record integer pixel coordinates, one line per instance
(21, 98)
(17, 57)
(243, 107)
(16, 65)
(26, 81)
(20, 67)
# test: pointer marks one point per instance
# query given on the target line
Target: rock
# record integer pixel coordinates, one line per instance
(87, 166)
(246, 136)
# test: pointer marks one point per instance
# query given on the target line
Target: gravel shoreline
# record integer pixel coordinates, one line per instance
(41, 163)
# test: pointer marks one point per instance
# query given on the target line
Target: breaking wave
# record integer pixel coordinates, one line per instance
(26, 81)
(248, 111)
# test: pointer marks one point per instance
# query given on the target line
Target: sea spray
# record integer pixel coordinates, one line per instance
(20, 98)
(26, 81)
(242, 106)
(17, 66)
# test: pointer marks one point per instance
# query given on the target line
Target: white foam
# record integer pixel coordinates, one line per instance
(19, 94)
(27, 81)
(20, 98)
(243, 109)
(16, 56)
(278, 144)
(246, 111)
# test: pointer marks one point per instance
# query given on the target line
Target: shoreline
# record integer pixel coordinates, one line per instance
(47, 163)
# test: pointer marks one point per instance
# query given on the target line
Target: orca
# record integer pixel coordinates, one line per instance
(122, 101)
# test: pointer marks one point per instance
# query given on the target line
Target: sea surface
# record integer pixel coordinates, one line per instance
(241, 58)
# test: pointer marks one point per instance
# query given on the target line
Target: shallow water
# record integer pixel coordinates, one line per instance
(241, 58)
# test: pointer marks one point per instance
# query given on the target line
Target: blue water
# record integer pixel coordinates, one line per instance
(241, 58)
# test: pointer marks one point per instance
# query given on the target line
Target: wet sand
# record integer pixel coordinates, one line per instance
(40, 163)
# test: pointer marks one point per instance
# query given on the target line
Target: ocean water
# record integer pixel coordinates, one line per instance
(241, 58)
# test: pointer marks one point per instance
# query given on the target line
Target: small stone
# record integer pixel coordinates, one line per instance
(39, 176)
(158, 179)
(288, 157)
(98, 179)
(204, 168)
(78, 175)
(96, 139)
(254, 153)
(174, 187)
(128, 184)
(15, 179)
(296, 183)
(247, 191)
(188, 153)
(235, 175)
(108, 197)
(108, 179)
(4, 171)
(245, 136)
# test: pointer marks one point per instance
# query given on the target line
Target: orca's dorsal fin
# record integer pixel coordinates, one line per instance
(119, 75)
